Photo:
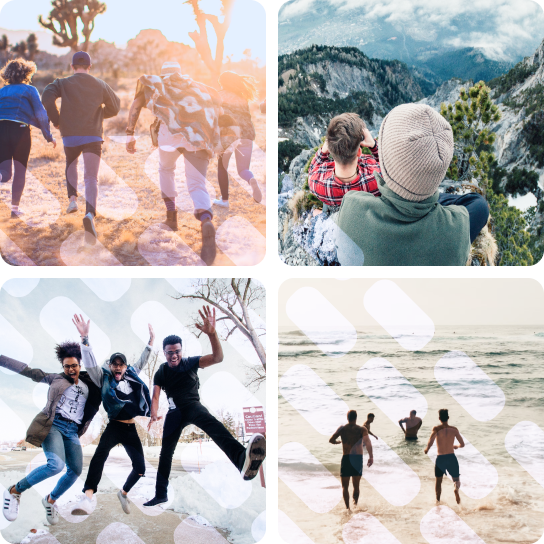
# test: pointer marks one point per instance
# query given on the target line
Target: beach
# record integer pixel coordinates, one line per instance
(500, 500)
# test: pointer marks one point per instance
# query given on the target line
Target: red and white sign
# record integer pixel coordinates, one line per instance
(254, 420)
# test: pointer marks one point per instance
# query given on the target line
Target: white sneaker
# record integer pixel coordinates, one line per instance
(257, 195)
(125, 502)
(11, 505)
(51, 513)
(255, 454)
(72, 207)
(83, 508)
(221, 202)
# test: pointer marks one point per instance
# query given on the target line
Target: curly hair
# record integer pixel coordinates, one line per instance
(68, 349)
(243, 86)
(171, 340)
(18, 71)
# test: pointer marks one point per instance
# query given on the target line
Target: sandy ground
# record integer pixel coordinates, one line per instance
(130, 207)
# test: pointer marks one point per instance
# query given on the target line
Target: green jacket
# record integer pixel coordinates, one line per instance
(392, 231)
(86, 102)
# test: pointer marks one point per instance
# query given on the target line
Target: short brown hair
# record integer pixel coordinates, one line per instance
(344, 136)
(18, 71)
(352, 415)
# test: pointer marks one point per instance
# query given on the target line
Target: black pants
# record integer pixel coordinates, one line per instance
(198, 415)
(117, 433)
(91, 158)
(15, 143)
(476, 205)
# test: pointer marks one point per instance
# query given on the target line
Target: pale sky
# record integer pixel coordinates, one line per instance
(40, 314)
(486, 302)
(173, 18)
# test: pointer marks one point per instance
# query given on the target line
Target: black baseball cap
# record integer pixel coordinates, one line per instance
(81, 58)
(118, 356)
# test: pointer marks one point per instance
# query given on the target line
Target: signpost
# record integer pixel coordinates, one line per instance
(254, 422)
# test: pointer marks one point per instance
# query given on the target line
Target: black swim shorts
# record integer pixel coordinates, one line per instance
(446, 463)
(410, 437)
(352, 465)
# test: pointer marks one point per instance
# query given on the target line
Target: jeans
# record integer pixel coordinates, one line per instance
(61, 446)
(117, 433)
(242, 153)
(15, 143)
(195, 414)
(91, 160)
(476, 205)
(196, 168)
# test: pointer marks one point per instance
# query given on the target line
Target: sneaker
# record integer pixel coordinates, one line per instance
(255, 454)
(221, 202)
(51, 513)
(17, 213)
(90, 231)
(171, 219)
(11, 505)
(155, 501)
(72, 207)
(257, 195)
(83, 508)
(125, 503)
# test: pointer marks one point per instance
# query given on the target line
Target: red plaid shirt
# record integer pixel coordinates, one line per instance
(330, 190)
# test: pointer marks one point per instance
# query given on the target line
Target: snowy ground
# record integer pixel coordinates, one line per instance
(209, 502)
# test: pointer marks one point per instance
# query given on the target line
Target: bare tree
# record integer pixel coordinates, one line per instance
(200, 36)
(63, 21)
(234, 299)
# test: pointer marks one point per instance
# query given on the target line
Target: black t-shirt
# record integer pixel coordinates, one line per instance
(180, 383)
(132, 400)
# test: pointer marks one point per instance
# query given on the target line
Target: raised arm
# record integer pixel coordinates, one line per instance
(146, 353)
(460, 439)
(35, 374)
(208, 327)
(431, 440)
(87, 356)
(368, 444)
(334, 438)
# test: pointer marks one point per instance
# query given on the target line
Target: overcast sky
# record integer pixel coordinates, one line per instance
(487, 302)
(494, 25)
(173, 17)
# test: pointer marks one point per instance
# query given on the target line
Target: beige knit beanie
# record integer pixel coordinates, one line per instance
(416, 148)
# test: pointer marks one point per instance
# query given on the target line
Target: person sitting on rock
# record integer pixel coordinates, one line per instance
(340, 165)
(411, 223)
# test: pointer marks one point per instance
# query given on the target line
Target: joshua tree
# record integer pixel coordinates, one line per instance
(19, 49)
(63, 21)
(4, 48)
(200, 36)
(32, 46)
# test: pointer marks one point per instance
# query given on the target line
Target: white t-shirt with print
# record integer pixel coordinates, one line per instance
(72, 402)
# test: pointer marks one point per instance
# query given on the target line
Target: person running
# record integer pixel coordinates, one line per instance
(446, 461)
(368, 422)
(352, 439)
(124, 396)
(188, 114)
(413, 424)
(86, 102)
(236, 92)
(178, 378)
(20, 107)
(72, 402)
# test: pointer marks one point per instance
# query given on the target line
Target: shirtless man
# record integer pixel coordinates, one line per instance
(352, 438)
(368, 422)
(446, 461)
(413, 424)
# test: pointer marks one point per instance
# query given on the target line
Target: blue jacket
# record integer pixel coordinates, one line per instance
(21, 103)
(112, 404)
(102, 377)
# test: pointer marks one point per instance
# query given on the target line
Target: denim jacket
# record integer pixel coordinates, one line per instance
(21, 103)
